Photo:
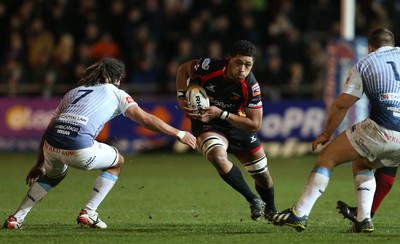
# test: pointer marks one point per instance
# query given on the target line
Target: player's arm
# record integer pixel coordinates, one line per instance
(182, 77)
(251, 122)
(336, 114)
(182, 81)
(352, 91)
(154, 123)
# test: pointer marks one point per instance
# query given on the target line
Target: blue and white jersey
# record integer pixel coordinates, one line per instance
(82, 113)
(378, 76)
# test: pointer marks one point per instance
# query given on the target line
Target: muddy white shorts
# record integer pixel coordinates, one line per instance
(375, 142)
(99, 156)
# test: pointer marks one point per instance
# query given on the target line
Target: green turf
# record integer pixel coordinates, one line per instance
(179, 198)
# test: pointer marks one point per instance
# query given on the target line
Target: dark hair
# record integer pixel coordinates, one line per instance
(243, 47)
(381, 37)
(107, 70)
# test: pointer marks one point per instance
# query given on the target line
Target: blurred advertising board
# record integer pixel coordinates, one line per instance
(23, 121)
(342, 55)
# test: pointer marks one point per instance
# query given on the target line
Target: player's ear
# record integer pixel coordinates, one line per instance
(370, 48)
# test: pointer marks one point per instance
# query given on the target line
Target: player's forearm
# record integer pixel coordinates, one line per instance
(335, 117)
(156, 124)
(244, 123)
(182, 77)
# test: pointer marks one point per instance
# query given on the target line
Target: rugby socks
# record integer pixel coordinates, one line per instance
(385, 178)
(268, 196)
(315, 187)
(364, 182)
(235, 179)
(102, 186)
(36, 193)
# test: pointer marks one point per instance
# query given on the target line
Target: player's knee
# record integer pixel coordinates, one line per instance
(257, 166)
(121, 161)
(217, 158)
(52, 180)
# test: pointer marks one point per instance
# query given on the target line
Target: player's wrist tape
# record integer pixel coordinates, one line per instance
(180, 93)
(180, 134)
(224, 115)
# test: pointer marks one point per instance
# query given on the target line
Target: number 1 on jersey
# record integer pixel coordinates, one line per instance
(395, 71)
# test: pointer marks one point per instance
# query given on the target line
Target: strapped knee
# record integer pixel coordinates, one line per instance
(257, 166)
(209, 143)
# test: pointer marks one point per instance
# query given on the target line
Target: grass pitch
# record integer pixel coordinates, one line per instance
(179, 198)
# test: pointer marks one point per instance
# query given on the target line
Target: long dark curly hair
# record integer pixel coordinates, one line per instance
(107, 70)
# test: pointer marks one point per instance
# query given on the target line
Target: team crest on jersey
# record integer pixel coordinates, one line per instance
(236, 96)
(256, 89)
(129, 99)
(205, 64)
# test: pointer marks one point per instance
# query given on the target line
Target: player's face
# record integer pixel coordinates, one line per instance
(239, 67)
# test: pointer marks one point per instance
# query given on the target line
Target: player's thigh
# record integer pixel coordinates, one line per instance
(100, 156)
(105, 156)
(338, 151)
(54, 165)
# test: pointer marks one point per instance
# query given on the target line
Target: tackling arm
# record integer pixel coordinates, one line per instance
(154, 123)
(336, 114)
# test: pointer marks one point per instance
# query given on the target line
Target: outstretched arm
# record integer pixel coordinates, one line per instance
(154, 123)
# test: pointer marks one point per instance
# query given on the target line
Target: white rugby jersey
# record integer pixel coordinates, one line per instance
(378, 76)
(82, 113)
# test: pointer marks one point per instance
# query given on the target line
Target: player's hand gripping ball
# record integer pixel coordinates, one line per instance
(197, 97)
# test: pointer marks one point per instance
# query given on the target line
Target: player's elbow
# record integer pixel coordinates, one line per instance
(254, 127)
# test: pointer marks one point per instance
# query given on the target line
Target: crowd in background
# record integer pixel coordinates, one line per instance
(46, 44)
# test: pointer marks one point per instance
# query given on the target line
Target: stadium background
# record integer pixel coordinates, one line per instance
(44, 45)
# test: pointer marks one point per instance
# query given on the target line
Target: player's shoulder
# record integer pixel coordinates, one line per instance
(206, 64)
(251, 79)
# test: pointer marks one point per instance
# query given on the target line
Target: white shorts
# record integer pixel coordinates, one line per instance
(375, 142)
(99, 156)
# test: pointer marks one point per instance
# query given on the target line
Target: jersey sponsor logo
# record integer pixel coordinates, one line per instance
(256, 89)
(221, 104)
(66, 129)
(362, 146)
(129, 99)
(392, 138)
(206, 64)
(390, 96)
(395, 110)
(73, 118)
(211, 87)
(253, 139)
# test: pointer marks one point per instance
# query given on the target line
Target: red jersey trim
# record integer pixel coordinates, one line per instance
(238, 154)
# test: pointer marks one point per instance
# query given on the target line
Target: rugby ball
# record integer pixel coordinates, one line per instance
(197, 97)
